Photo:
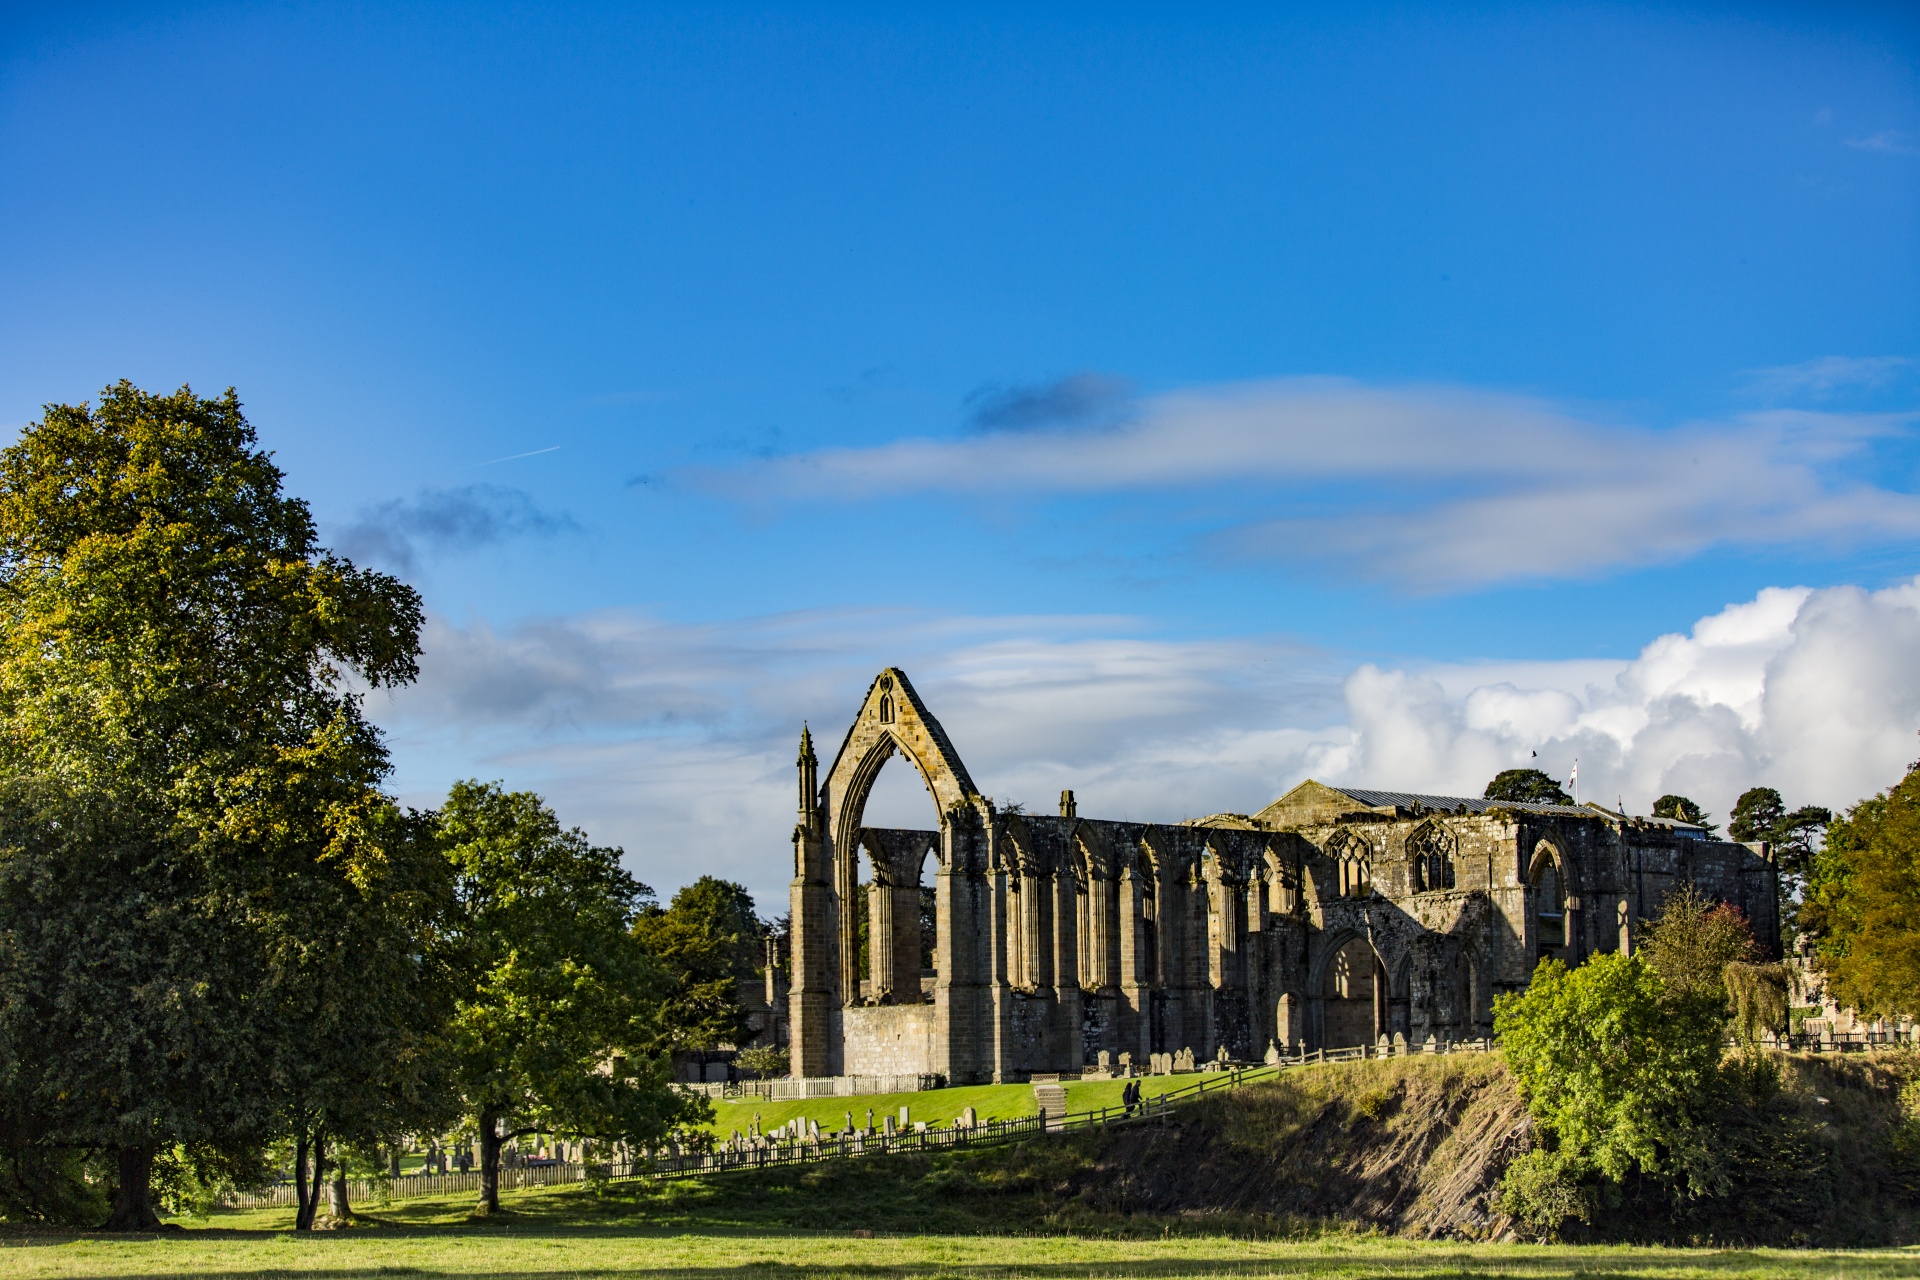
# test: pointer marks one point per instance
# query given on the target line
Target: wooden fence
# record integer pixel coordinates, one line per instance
(779, 1149)
(789, 1148)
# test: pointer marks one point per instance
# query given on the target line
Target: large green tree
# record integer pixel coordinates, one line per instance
(707, 940)
(1693, 940)
(1619, 1072)
(557, 1027)
(1681, 809)
(362, 977)
(1760, 814)
(184, 759)
(1863, 902)
(1526, 785)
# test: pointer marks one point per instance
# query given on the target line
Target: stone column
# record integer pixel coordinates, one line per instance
(906, 940)
(1134, 993)
(880, 942)
(1065, 1041)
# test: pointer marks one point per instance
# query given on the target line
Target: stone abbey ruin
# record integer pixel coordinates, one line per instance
(1332, 917)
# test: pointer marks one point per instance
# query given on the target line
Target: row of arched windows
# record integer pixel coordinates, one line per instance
(1430, 849)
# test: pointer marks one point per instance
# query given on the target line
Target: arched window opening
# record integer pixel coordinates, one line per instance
(1353, 992)
(1353, 860)
(929, 928)
(1356, 876)
(1430, 850)
(1549, 906)
(1283, 886)
(894, 908)
(1149, 938)
(863, 922)
(886, 708)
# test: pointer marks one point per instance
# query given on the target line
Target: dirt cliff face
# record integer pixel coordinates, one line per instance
(1413, 1146)
(1823, 1152)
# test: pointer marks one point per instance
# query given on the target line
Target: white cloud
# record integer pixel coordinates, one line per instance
(1816, 693)
(1888, 141)
(1436, 488)
(1828, 374)
(677, 741)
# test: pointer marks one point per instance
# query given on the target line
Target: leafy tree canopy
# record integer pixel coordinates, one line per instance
(558, 1027)
(1682, 809)
(1760, 814)
(1527, 786)
(1693, 941)
(707, 939)
(1618, 1076)
(1863, 902)
(184, 767)
(1755, 813)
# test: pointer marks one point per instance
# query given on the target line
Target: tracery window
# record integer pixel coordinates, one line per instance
(1430, 849)
(1355, 861)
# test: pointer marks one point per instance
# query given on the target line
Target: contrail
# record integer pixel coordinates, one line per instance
(510, 457)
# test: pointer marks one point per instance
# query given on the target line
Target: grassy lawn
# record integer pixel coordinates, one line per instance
(571, 1232)
(935, 1106)
(734, 1227)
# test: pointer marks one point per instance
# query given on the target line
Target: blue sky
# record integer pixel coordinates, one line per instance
(1171, 370)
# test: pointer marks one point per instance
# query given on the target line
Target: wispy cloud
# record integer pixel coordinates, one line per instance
(397, 533)
(1026, 406)
(1437, 488)
(676, 741)
(1889, 141)
(1828, 375)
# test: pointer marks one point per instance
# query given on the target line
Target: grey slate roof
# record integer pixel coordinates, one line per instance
(1475, 804)
(1452, 804)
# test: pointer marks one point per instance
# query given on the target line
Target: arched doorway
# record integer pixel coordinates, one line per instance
(1353, 995)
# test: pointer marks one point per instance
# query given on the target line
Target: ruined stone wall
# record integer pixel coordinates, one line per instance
(1061, 938)
(887, 1040)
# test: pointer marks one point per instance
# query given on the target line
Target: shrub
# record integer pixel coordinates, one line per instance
(1617, 1071)
(763, 1063)
(1545, 1189)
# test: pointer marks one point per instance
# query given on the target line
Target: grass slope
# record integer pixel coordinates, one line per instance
(1302, 1175)
(935, 1106)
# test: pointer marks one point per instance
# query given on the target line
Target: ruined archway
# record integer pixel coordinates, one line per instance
(891, 719)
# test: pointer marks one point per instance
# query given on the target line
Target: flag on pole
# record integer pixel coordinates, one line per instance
(1574, 780)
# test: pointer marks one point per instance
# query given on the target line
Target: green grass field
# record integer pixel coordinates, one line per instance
(1046, 1208)
(702, 1236)
(935, 1106)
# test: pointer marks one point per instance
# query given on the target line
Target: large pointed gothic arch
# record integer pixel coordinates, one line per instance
(892, 718)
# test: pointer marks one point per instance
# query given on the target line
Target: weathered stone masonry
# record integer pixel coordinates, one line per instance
(1331, 917)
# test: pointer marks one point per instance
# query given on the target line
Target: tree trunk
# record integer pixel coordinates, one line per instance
(339, 1212)
(302, 1203)
(133, 1194)
(308, 1194)
(489, 1163)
